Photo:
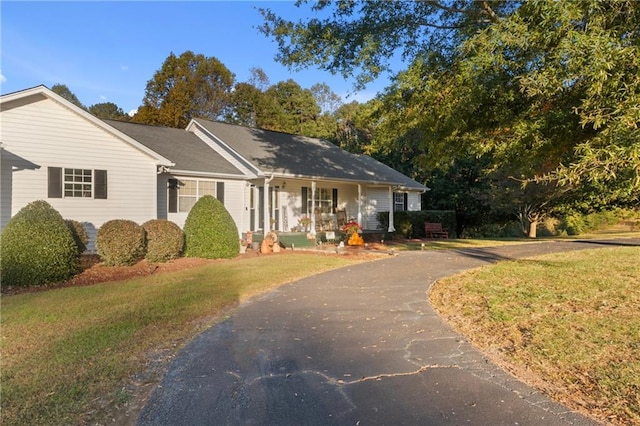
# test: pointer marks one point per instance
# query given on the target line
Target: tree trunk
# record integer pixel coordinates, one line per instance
(533, 229)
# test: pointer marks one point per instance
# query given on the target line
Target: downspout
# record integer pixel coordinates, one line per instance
(391, 205)
(266, 214)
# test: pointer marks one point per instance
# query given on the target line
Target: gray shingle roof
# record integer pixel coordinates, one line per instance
(286, 154)
(186, 150)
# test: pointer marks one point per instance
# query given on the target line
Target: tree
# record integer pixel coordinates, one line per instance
(66, 93)
(359, 38)
(186, 87)
(108, 110)
(295, 110)
(246, 105)
(353, 127)
(325, 98)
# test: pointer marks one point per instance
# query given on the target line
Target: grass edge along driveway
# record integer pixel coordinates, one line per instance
(566, 323)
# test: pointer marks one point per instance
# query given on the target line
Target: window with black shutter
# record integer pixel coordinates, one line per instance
(173, 195)
(220, 191)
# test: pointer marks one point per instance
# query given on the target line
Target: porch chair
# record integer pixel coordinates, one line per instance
(341, 218)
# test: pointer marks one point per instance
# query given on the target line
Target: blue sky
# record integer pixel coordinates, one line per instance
(107, 51)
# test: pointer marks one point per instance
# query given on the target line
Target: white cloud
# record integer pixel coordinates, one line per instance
(3, 79)
(132, 112)
(103, 98)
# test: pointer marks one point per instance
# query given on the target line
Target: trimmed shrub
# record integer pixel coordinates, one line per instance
(120, 242)
(210, 231)
(36, 247)
(165, 240)
(79, 234)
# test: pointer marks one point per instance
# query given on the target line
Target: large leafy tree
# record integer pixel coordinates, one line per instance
(108, 110)
(66, 93)
(353, 127)
(296, 110)
(358, 38)
(186, 86)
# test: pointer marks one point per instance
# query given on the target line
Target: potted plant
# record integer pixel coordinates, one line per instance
(352, 230)
(304, 223)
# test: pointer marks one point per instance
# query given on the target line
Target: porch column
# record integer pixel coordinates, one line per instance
(391, 205)
(360, 205)
(266, 212)
(312, 213)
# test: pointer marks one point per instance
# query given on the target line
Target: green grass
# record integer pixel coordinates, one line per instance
(457, 243)
(571, 319)
(69, 355)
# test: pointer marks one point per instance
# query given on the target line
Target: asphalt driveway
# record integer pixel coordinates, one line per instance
(354, 346)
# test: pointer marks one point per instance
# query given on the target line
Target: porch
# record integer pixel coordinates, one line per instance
(299, 239)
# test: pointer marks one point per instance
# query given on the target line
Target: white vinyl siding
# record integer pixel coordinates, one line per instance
(376, 200)
(45, 134)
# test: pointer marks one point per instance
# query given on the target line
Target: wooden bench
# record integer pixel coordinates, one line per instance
(435, 230)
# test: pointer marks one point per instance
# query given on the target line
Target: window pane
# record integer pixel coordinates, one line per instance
(206, 187)
(185, 203)
(188, 187)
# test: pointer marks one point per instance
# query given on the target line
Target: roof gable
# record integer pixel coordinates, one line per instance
(39, 93)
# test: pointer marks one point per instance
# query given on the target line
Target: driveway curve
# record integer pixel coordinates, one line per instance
(354, 346)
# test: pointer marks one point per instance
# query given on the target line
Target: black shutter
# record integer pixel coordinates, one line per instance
(100, 184)
(334, 200)
(305, 200)
(406, 201)
(173, 195)
(55, 182)
(220, 191)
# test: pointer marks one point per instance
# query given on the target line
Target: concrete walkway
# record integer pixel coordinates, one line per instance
(354, 346)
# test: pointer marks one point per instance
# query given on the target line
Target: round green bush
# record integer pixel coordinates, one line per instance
(120, 242)
(210, 231)
(36, 247)
(79, 234)
(165, 240)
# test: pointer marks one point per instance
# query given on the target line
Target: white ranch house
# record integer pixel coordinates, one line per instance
(94, 170)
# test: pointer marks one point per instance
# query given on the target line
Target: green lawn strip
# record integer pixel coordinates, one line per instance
(68, 353)
(570, 318)
(458, 243)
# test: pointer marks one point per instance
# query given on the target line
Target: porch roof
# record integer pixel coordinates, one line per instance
(293, 155)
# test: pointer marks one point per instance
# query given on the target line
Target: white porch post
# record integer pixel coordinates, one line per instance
(391, 205)
(360, 205)
(312, 213)
(266, 213)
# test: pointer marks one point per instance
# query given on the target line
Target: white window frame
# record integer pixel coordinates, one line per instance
(202, 187)
(77, 183)
(323, 200)
(398, 201)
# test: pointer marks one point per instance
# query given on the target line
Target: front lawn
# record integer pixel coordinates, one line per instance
(78, 354)
(568, 323)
